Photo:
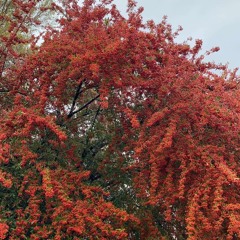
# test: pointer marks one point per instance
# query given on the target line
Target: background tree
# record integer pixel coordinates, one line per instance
(113, 124)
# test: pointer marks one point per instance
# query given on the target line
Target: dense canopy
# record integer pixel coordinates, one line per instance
(111, 130)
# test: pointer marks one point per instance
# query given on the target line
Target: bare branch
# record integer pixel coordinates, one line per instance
(78, 91)
(84, 106)
(95, 117)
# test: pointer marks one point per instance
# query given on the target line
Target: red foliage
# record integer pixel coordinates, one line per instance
(179, 132)
(3, 230)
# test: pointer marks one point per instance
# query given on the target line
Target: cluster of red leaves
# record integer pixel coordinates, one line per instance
(180, 127)
(192, 151)
(70, 209)
(3, 230)
(59, 204)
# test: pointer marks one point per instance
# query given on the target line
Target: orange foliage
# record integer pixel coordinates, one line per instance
(172, 127)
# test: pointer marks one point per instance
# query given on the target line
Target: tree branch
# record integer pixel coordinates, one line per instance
(95, 117)
(84, 106)
(78, 91)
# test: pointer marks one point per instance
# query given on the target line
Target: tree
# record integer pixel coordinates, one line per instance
(115, 131)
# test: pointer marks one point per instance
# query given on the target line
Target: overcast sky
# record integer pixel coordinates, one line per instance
(216, 22)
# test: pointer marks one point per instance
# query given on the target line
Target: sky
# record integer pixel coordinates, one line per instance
(216, 22)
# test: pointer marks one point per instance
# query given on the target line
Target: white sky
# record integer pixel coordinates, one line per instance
(216, 22)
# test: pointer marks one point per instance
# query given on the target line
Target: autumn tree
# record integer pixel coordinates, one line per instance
(112, 130)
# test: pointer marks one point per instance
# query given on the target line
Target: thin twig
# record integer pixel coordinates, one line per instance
(95, 117)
